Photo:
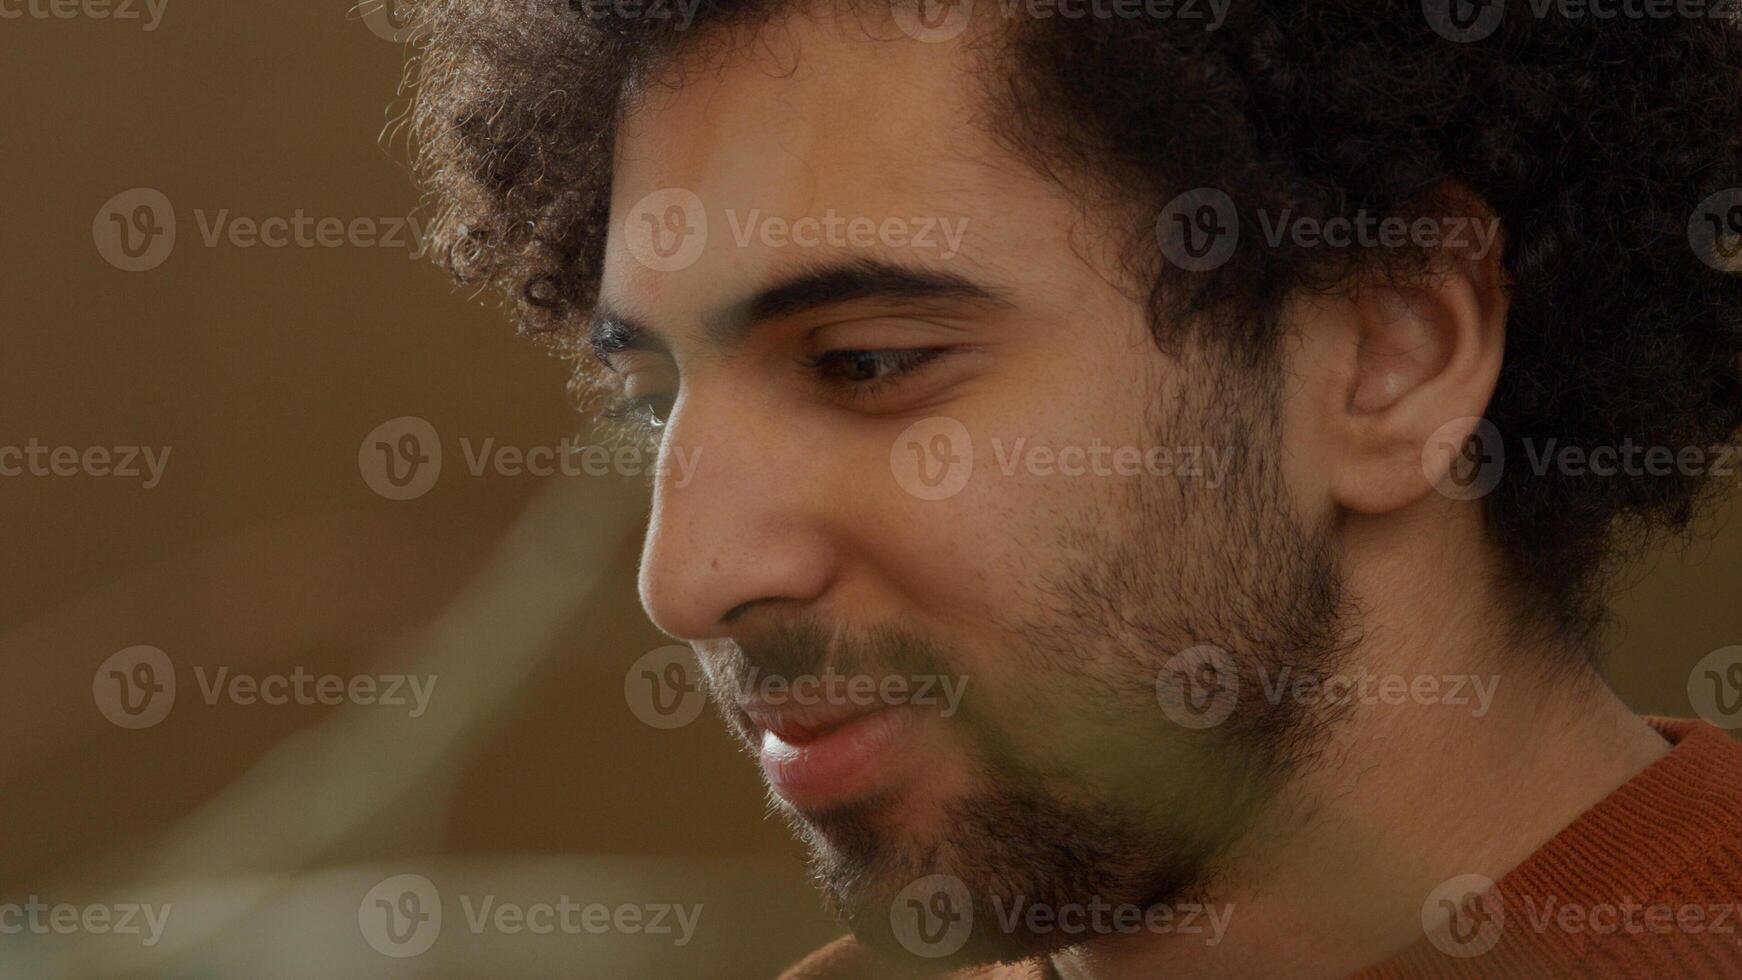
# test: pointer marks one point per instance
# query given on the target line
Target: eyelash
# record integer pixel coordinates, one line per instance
(644, 412)
(638, 414)
(901, 362)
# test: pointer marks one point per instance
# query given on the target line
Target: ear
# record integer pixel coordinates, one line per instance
(1412, 367)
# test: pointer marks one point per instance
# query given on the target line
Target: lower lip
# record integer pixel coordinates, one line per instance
(847, 762)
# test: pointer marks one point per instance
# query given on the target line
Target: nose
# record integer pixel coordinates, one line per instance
(738, 519)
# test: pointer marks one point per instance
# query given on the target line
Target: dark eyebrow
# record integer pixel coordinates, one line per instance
(805, 291)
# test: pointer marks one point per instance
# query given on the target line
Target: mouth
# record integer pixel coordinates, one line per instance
(819, 756)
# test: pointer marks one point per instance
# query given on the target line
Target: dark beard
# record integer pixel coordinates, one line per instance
(1084, 791)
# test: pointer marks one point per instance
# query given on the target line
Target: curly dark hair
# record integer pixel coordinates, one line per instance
(1593, 140)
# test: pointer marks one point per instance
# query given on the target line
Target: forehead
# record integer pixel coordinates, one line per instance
(822, 117)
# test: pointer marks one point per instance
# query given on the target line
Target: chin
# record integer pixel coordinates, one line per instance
(884, 862)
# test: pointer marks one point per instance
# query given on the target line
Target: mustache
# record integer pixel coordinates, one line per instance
(807, 647)
(808, 653)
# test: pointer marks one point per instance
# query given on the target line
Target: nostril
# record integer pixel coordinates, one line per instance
(736, 611)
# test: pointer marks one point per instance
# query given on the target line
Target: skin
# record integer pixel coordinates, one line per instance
(793, 511)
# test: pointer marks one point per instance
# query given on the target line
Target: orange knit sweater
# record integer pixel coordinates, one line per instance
(1646, 883)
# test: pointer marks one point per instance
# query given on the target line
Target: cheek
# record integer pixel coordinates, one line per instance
(976, 510)
(973, 561)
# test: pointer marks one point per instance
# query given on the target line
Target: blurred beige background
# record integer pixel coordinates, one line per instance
(264, 550)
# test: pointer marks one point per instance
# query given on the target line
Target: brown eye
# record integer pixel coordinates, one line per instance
(646, 411)
(866, 367)
(859, 365)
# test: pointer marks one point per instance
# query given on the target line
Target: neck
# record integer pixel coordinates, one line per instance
(1461, 753)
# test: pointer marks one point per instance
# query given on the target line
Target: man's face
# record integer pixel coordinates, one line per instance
(958, 472)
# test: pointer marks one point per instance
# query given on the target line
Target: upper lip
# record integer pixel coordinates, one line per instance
(795, 722)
